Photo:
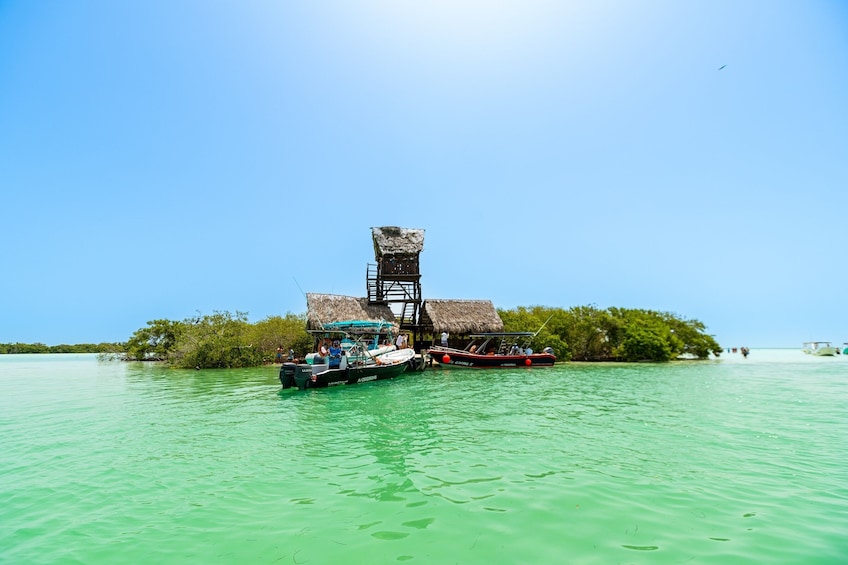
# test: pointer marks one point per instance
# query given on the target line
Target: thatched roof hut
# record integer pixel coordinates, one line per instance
(461, 316)
(394, 241)
(325, 308)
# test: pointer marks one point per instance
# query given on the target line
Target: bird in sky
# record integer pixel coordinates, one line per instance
(721, 67)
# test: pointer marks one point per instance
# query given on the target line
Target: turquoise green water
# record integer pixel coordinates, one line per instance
(729, 461)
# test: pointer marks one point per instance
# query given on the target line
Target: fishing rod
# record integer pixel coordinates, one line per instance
(543, 325)
(307, 303)
(317, 317)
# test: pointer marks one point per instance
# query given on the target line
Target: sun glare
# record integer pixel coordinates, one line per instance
(478, 27)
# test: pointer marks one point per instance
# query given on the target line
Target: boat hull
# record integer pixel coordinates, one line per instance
(302, 376)
(455, 358)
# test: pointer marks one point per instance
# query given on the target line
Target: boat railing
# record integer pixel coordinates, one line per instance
(447, 349)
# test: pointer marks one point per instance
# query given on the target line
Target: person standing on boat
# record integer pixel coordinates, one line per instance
(444, 339)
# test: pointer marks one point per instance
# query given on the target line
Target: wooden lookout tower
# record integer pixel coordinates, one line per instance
(395, 280)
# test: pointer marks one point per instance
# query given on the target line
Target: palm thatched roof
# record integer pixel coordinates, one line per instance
(326, 308)
(390, 240)
(461, 316)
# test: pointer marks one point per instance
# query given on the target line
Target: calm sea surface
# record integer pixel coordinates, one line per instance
(724, 461)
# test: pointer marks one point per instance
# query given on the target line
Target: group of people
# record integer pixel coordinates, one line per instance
(279, 356)
(331, 351)
(514, 350)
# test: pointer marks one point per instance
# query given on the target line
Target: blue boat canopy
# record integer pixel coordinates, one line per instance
(357, 325)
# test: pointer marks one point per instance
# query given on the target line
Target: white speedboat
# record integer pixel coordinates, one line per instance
(822, 348)
(396, 356)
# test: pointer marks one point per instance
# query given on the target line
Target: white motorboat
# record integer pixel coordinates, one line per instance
(821, 348)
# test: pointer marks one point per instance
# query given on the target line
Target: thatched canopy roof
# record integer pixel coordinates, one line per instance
(461, 316)
(391, 240)
(325, 308)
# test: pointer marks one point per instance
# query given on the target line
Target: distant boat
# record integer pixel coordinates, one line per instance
(821, 348)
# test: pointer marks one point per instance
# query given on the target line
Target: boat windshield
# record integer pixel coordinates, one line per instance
(356, 334)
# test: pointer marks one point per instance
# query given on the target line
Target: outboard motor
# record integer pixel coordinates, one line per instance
(287, 372)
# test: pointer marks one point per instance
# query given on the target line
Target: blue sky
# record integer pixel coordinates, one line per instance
(161, 158)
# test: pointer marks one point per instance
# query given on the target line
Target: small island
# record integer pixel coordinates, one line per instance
(578, 333)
